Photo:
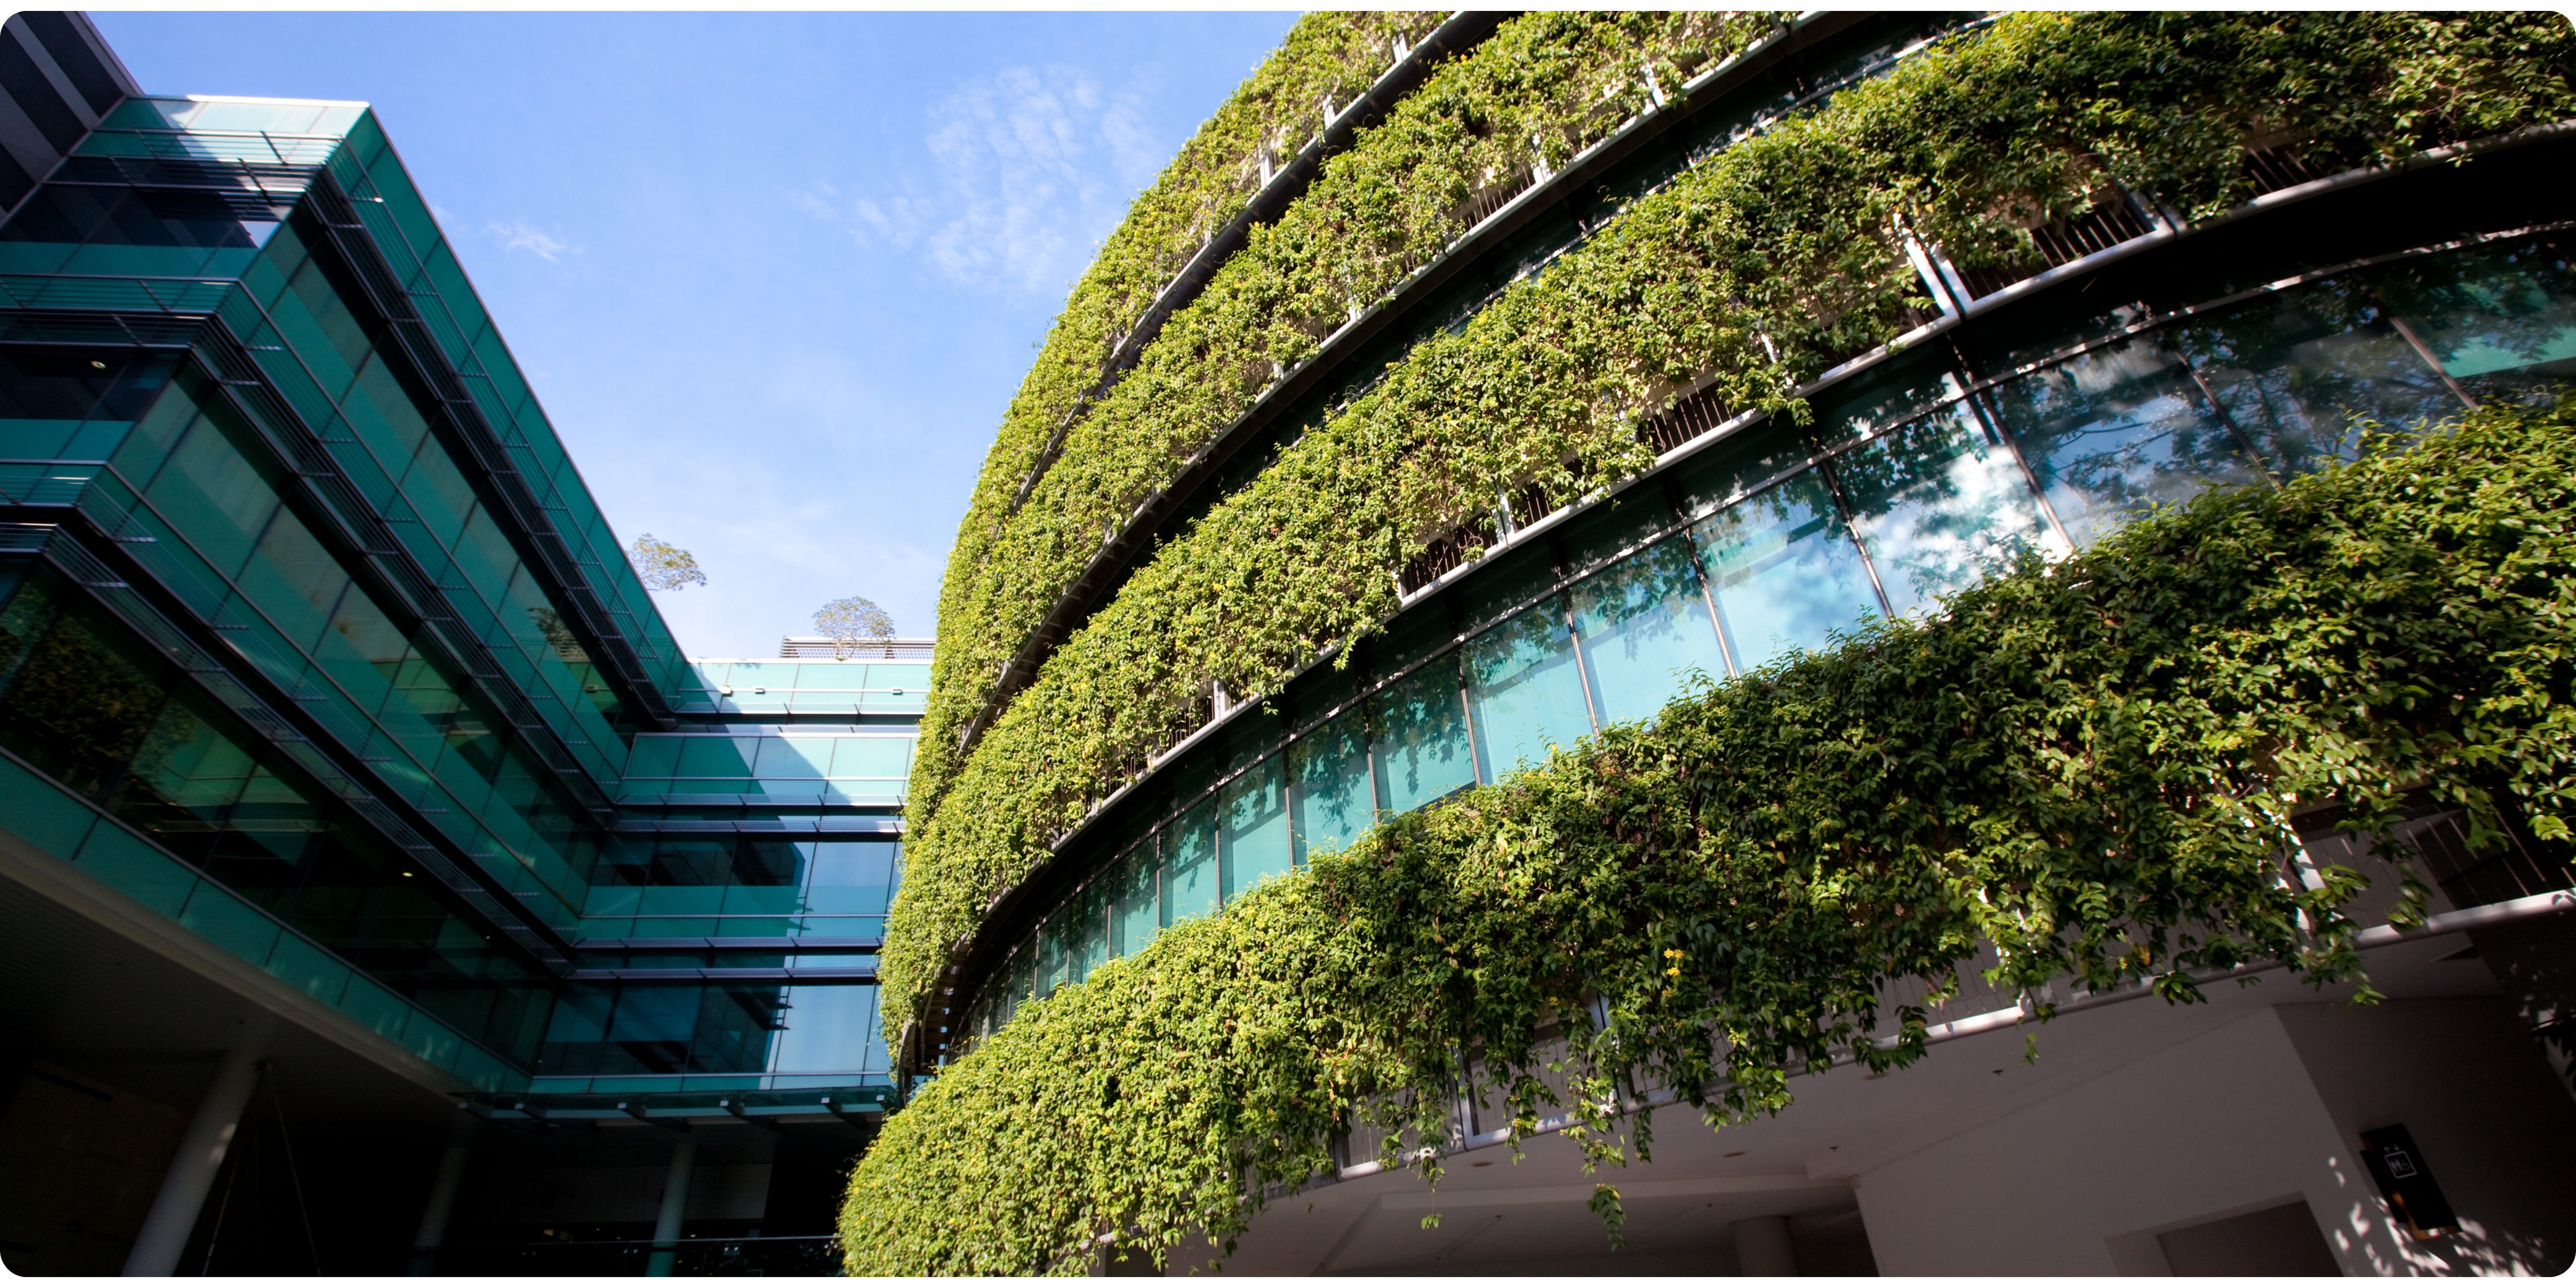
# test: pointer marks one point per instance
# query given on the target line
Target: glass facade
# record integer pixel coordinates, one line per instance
(1915, 478)
(312, 638)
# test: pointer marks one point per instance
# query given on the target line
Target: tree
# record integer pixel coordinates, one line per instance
(853, 622)
(664, 566)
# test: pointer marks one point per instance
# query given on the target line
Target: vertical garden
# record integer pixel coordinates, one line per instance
(2082, 758)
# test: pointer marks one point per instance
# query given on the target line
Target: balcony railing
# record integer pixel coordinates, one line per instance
(825, 648)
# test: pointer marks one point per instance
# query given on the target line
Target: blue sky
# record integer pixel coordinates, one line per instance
(774, 276)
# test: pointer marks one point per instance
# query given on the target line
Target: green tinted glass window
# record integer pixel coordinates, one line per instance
(2293, 369)
(294, 580)
(213, 493)
(1419, 738)
(1526, 690)
(1333, 801)
(2502, 320)
(1644, 625)
(1253, 810)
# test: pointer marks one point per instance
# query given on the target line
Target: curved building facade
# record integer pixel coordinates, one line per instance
(1860, 422)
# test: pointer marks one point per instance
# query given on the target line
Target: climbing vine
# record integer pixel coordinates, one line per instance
(2091, 766)
(1326, 56)
(1542, 88)
(1758, 269)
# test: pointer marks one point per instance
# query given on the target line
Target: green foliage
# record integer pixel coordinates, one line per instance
(2091, 766)
(1542, 88)
(664, 566)
(1273, 114)
(852, 622)
(1758, 270)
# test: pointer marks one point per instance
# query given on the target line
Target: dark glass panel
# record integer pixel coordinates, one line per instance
(1895, 391)
(85, 700)
(1504, 586)
(2501, 319)
(2293, 369)
(171, 217)
(2116, 432)
(1738, 464)
(74, 384)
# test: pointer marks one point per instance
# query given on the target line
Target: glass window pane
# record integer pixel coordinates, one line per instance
(872, 757)
(1254, 810)
(1941, 506)
(2293, 369)
(2501, 320)
(1527, 692)
(794, 758)
(702, 757)
(211, 491)
(1333, 802)
(2116, 432)
(1419, 747)
(1190, 879)
(828, 1027)
(1644, 625)
(1784, 571)
(293, 580)
(1089, 936)
(1139, 914)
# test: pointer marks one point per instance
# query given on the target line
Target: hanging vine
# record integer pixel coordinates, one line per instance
(1543, 87)
(2090, 766)
(1759, 269)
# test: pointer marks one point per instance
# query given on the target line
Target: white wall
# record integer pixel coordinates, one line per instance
(2474, 1092)
(2262, 1110)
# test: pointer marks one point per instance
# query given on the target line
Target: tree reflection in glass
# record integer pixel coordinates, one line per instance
(2293, 369)
(1940, 506)
(1643, 625)
(1784, 571)
(2115, 432)
(1254, 811)
(1139, 914)
(1420, 748)
(1525, 688)
(2501, 319)
(1333, 803)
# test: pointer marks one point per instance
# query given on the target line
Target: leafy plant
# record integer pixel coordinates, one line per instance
(664, 566)
(1756, 270)
(1542, 88)
(2090, 766)
(853, 622)
(1326, 57)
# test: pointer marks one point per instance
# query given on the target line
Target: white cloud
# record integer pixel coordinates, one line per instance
(518, 235)
(1027, 166)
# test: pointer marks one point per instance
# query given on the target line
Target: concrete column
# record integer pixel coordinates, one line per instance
(442, 1196)
(1762, 1246)
(675, 1208)
(192, 1170)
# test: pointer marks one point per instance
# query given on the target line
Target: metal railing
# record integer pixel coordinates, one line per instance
(825, 648)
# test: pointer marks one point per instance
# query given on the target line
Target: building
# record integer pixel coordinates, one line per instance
(2130, 355)
(359, 808)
